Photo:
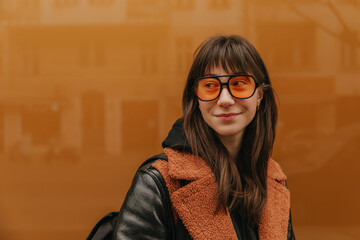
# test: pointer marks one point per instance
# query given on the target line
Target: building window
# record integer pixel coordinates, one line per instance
(99, 54)
(83, 56)
(136, 129)
(29, 60)
(184, 4)
(101, 2)
(93, 121)
(351, 2)
(287, 46)
(183, 54)
(41, 123)
(349, 50)
(149, 59)
(65, 3)
(2, 129)
(8, 6)
(29, 3)
(144, 10)
(92, 55)
(219, 4)
(1, 59)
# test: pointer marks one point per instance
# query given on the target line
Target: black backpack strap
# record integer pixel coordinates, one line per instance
(103, 230)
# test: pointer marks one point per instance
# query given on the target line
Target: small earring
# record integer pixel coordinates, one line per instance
(258, 106)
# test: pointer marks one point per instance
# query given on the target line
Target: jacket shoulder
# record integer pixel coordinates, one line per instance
(150, 161)
(145, 211)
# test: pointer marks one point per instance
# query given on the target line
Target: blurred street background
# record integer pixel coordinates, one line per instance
(90, 88)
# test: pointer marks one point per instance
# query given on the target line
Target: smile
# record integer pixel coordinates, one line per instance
(227, 116)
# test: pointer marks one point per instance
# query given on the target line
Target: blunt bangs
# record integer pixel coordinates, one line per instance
(234, 54)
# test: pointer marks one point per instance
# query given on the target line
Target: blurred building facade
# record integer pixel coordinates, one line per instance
(77, 73)
(312, 49)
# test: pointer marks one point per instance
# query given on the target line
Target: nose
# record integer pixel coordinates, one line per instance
(225, 98)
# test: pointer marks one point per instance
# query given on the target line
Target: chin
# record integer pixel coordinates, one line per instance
(228, 132)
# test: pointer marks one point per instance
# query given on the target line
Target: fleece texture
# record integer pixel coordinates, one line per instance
(195, 203)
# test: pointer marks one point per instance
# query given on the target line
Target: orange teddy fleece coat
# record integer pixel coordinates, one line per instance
(196, 202)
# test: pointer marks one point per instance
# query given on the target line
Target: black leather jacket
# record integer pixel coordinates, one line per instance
(146, 212)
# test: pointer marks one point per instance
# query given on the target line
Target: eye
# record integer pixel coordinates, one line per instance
(210, 83)
(239, 81)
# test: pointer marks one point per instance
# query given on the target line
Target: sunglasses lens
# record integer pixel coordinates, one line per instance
(242, 86)
(207, 89)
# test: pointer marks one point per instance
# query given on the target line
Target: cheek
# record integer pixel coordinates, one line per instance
(249, 108)
(252, 102)
(202, 109)
(248, 105)
(205, 109)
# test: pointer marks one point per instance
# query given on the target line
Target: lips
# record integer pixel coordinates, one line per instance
(227, 116)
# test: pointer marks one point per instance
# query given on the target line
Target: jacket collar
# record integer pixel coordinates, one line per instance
(186, 166)
(196, 202)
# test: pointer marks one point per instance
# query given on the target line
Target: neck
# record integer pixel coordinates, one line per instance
(232, 144)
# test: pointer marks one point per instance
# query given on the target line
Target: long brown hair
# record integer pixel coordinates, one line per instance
(248, 192)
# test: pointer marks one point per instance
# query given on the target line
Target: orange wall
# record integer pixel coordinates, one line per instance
(89, 89)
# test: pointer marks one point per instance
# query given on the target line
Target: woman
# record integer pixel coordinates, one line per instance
(216, 179)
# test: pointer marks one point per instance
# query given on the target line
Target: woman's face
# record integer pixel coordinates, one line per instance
(226, 115)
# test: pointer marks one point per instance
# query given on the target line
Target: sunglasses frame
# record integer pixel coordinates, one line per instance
(225, 84)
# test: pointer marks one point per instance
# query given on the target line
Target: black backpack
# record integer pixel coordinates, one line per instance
(104, 229)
